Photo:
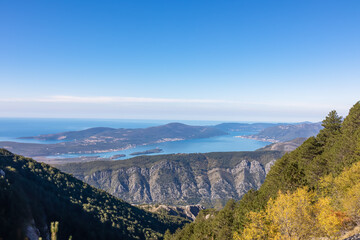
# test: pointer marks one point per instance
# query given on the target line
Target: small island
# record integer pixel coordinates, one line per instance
(155, 150)
(117, 156)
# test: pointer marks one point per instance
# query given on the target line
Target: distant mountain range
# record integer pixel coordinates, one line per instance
(287, 132)
(238, 127)
(168, 132)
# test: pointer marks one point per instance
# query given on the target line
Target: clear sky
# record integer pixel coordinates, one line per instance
(243, 60)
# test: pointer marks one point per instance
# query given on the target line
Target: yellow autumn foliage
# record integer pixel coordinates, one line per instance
(351, 203)
(292, 213)
(293, 216)
(328, 222)
(337, 187)
(344, 191)
(304, 214)
(259, 228)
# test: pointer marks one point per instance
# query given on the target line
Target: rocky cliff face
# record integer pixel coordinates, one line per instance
(182, 182)
(189, 211)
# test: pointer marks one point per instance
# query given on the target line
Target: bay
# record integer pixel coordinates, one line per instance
(12, 128)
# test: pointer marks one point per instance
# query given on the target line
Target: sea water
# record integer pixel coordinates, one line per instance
(13, 128)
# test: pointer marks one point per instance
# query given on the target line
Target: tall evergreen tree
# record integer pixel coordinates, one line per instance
(332, 126)
(332, 122)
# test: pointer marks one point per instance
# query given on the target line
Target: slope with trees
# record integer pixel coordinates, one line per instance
(32, 195)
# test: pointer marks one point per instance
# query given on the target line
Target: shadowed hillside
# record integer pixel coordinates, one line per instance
(34, 194)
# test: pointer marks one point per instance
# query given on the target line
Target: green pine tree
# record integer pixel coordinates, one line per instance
(332, 126)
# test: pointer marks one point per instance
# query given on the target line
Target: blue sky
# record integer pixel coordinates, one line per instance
(179, 60)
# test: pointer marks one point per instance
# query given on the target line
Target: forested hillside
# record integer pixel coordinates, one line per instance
(34, 194)
(312, 192)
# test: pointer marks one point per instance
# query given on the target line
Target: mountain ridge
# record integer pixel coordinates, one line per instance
(179, 179)
(287, 132)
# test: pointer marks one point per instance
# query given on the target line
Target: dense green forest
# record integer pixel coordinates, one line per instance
(32, 195)
(317, 184)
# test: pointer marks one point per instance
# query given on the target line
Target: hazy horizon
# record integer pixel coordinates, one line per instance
(155, 121)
